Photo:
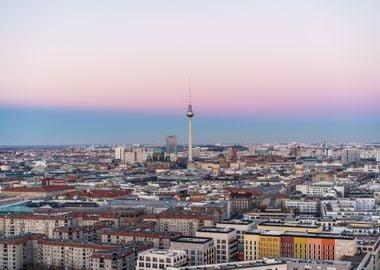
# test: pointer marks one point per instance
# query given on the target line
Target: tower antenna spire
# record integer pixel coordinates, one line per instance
(190, 90)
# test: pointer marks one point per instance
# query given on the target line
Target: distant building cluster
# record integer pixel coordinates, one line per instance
(262, 207)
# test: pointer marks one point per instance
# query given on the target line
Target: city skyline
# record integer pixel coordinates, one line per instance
(90, 72)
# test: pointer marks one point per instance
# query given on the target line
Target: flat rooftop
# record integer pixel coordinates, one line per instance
(197, 240)
(162, 252)
(236, 222)
(303, 234)
(232, 265)
(216, 230)
(287, 224)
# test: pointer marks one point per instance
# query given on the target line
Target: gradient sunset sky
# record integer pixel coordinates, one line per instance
(75, 72)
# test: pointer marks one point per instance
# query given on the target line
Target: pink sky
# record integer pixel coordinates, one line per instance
(244, 57)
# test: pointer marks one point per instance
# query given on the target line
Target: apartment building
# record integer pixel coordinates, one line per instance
(303, 207)
(314, 246)
(297, 264)
(32, 251)
(241, 202)
(240, 227)
(290, 226)
(225, 242)
(184, 221)
(16, 224)
(18, 252)
(121, 216)
(199, 250)
(37, 192)
(90, 233)
(113, 259)
(79, 255)
(153, 259)
(370, 244)
(321, 189)
(161, 240)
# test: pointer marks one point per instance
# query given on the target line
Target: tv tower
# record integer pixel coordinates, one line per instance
(190, 115)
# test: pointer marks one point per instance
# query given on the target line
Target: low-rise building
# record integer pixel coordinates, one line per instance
(321, 189)
(303, 207)
(161, 240)
(184, 221)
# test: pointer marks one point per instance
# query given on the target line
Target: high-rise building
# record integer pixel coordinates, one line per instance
(325, 147)
(350, 156)
(190, 116)
(171, 144)
(119, 153)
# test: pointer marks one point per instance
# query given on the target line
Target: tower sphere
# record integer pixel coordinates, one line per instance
(190, 114)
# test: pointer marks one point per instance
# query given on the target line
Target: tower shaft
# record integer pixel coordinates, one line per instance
(190, 115)
(190, 143)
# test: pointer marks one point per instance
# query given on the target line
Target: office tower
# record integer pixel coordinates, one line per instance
(350, 156)
(325, 147)
(298, 153)
(119, 153)
(171, 144)
(190, 116)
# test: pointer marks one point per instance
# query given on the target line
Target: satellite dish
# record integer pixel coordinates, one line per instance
(75, 197)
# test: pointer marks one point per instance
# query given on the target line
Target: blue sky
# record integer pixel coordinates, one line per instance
(20, 126)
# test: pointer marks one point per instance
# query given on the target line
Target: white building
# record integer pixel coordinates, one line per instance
(363, 207)
(302, 206)
(240, 226)
(225, 242)
(200, 250)
(154, 259)
(321, 189)
(119, 153)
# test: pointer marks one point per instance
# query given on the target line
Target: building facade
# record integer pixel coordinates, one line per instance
(153, 259)
(225, 242)
(199, 250)
(313, 246)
